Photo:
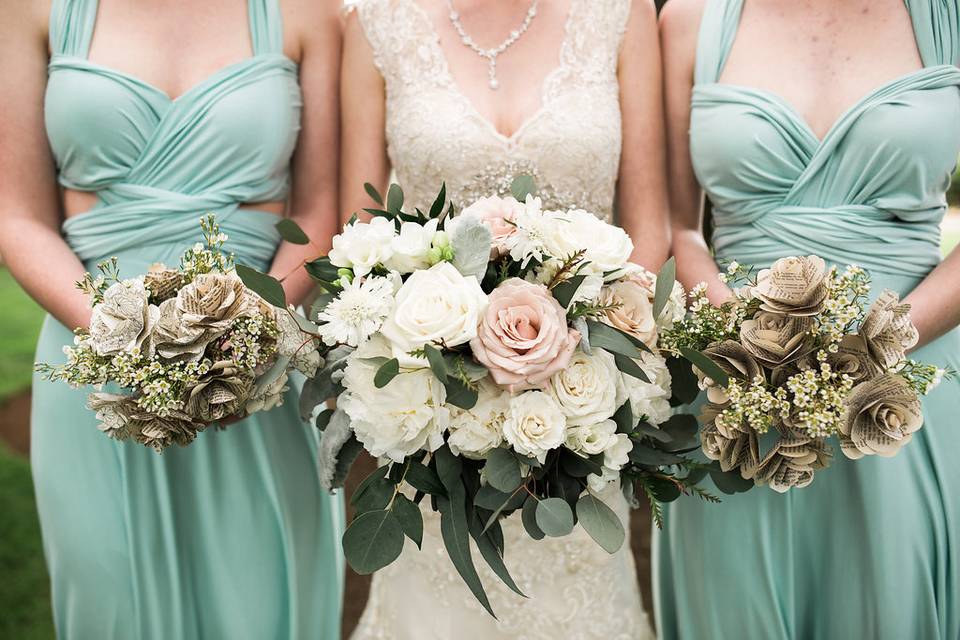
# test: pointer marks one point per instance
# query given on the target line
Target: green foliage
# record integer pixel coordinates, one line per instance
(600, 522)
(372, 541)
(291, 232)
(554, 517)
(267, 287)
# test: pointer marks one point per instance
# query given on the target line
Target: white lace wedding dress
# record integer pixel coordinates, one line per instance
(571, 146)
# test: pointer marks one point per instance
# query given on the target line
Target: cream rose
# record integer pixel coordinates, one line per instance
(403, 417)
(630, 309)
(475, 432)
(534, 425)
(796, 286)
(434, 306)
(880, 416)
(363, 245)
(650, 400)
(124, 319)
(523, 337)
(589, 389)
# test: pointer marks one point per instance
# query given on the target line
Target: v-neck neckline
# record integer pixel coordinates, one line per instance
(455, 88)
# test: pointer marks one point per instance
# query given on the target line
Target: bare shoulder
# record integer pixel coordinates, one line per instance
(25, 17)
(310, 21)
(680, 19)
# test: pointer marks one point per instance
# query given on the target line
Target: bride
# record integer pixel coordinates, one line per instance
(473, 93)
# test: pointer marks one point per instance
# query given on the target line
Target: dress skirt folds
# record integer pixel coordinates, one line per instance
(872, 548)
(230, 537)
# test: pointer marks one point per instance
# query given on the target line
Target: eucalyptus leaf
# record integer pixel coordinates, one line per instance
(387, 372)
(554, 517)
(291, 232)
(601, 522)
(665, 281)
(322, 270)
(436, 209)
(730, 482)
(323, 419)
(522, 186)
(410, 518)
(603, 336)
(491, 554)
(566, 290)
(767, 442)
(378, 474)
(373, 193)
(267, 287)
(663, 489)
(435, 359)
(377, 495)
(460, 395)
(347, 455)
(630, 367)
(580, 324)
(424, 479)
(319, 304)
(684, 384)
(709, 368)
(578, 466)
(372, 541)
(529, 518)
(682, 428)
(653, 432)
(644, 455)
(502, 471)
(455, 532)
(624, 418)
(394, 199)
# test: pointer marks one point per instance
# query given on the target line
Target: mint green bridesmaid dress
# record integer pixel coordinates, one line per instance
(231, 537)
(871, 550)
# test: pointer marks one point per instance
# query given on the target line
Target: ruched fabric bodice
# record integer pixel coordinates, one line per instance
(155, 162)
(870, 548)
(230, 537)
(571, 144)
(872, 191)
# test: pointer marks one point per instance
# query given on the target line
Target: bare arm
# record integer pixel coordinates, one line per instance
(642, 186)
(313, 198)
(363, 103)
(679, 24)
(30, 215)
(936, 301)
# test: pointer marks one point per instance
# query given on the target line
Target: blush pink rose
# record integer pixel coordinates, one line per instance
(498, 214)
(523, 337)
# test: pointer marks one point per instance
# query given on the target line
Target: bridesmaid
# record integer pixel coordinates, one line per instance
(147, 115)
(830, 128)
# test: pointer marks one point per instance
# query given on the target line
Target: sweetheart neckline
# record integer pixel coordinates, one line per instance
(195, 88)
(799, 118)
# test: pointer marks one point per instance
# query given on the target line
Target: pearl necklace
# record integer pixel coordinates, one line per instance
(491, 54)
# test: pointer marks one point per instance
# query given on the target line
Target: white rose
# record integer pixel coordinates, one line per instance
(124, 319)
(363, 245)
(589, 389)
(475, 432)
(650, 399)
(592, 439)
(437, 305)
(403, 417)
(607, 247)
(411, 246)
(615, 456)
(535, 424)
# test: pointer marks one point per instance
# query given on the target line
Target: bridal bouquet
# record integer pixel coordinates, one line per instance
(798, 360)
(188, 347)
(500, 360)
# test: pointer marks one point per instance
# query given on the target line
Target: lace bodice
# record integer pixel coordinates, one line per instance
(571, 144)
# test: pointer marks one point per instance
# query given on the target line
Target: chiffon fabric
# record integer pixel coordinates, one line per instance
(872, 548)
(230, 537)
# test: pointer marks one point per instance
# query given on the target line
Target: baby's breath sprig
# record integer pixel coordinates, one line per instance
(250, 342)
(816, 398)
(207, 256)
(923, 377)
(846, 302)
(751, 405)
(705, 324)
(95, 286)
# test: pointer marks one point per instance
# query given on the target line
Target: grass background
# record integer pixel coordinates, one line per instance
(24, 590)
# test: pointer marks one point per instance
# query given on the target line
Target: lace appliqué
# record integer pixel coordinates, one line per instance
(571, 144)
